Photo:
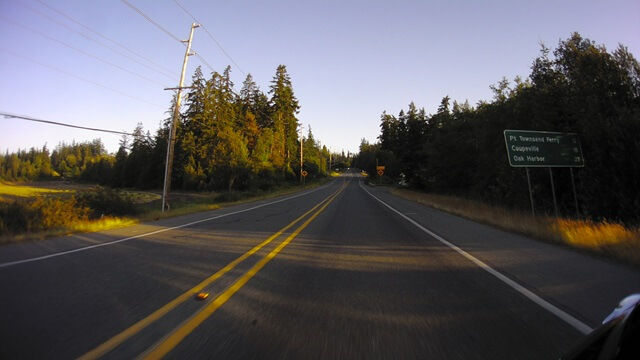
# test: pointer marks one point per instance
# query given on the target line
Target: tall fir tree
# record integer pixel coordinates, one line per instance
(284, 108)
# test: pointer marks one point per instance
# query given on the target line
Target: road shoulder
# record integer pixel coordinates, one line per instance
(585, 286)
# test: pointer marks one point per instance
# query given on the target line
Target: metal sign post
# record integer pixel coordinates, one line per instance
(533, 209)
(553, 192)
(575, 197)
(380, 170)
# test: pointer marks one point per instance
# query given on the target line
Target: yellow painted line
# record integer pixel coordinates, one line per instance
(175, 338)
(153, 317)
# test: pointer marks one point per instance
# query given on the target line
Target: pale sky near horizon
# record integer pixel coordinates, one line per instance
(348, 60)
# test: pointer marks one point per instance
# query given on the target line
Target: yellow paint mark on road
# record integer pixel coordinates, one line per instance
(175, 338)
(156, 315)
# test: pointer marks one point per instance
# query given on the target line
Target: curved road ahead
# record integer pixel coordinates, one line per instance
(342, 271)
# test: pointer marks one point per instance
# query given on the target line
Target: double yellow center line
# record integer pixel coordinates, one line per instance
(160, 349)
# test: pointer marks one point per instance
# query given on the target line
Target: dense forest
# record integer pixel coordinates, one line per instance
(460, 150)
(225, 141)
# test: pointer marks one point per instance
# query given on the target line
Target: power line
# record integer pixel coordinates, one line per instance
(28, 118)
(221, 48)
(106, 38)
(149, 19)
(94, 40)
(156, 24)
(211, 36)
(81, 51)
(204, 61)
(79, 77)
(195, 53)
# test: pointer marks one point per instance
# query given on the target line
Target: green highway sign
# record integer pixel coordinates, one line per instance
(543, 149)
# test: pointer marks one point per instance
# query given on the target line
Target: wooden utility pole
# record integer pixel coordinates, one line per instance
(301, 161)
(174, 122)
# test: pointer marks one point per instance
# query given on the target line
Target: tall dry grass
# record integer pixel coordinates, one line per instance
(609, 239)
(606, 238)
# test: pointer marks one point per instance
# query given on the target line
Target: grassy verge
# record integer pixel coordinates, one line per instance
(36, 211)
(84, 226)
(12, 191)
(189, 203)
(608, 239)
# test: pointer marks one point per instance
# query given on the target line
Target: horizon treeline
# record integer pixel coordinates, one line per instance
(578, 88)
(224, 141)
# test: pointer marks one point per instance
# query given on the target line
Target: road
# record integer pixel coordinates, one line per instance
(341, 271)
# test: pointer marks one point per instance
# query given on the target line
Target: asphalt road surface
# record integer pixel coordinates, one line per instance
(343, 271)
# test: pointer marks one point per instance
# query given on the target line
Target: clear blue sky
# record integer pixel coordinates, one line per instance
(348, 60)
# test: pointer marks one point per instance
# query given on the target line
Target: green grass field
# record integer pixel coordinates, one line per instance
(9, 190)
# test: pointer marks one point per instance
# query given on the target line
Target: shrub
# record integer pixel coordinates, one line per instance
(41, 214)
(15, 217)
(108, 202)
(229, 196)
(56, 212)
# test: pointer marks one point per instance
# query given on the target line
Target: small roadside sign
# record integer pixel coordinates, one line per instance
(380, 172)
(380, 168)
(304, 173)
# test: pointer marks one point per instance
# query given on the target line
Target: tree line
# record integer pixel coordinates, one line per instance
(224, 141)
(580, 88)
(87, 161)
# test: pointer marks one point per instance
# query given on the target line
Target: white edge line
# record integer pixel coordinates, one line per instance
(7, 264)
(577, 324)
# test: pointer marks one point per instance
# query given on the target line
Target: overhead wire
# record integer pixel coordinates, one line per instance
(211, 36)
(80, 51)
(204, 61)
(107, 38)
(156, 24)
(151, 20)
(29, 118)
(221, 48)
(79, 77)
(33, 119)
(172, 76)
(196, 54)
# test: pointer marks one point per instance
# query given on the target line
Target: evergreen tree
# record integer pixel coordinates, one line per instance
(230, 156)
(284, 107)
